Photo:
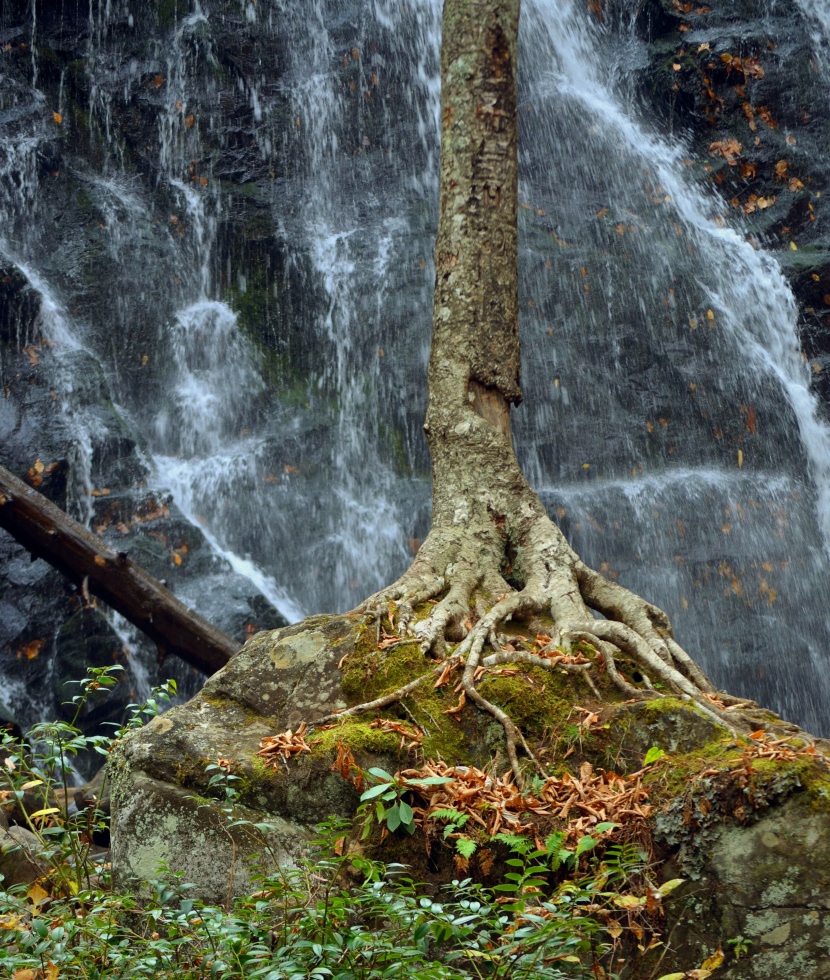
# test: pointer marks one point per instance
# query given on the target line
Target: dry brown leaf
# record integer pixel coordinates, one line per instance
(459, 707)
(410, 737)
(283, 745)
(729, 149)
(30, 650)
(347, 767)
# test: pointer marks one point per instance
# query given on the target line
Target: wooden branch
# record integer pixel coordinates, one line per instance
(49, 533)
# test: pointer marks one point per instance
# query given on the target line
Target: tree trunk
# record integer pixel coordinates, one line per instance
(83, 557)
(492, 552)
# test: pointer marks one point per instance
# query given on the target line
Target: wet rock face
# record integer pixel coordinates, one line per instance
(102, 202)
(66, 425)
(767, 885)
(745, 88)
(277, 680)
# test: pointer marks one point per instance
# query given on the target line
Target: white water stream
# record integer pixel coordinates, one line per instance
(668, 422)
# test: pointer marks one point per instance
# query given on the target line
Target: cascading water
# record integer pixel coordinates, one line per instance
(260, 184)
(676, 377)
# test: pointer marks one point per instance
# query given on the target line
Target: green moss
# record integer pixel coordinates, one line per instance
(768, 778)
(392, 441)
(535, 698)
(359, 736)
(261, 776)
(673, 775)
(774, 778)
(254, 305)
(190, 772)
(369, 672)
(663, 706)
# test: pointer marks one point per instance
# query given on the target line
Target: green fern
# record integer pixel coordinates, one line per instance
(451, 815)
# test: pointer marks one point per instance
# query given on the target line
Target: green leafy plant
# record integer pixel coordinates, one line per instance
(558, 913)
(341, 916)
(740, 946)
(42, 762)
(454, 822)
(390, 809)
(654, 754)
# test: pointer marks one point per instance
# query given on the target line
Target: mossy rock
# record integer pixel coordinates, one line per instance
(717, 801)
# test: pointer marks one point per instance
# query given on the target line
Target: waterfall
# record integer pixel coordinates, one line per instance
(233, 221)
(672, 394)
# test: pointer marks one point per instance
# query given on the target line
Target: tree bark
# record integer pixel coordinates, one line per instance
(76, 552)
(493, 553)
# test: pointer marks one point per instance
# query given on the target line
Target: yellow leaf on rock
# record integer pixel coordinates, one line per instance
(767, 118)
(729, 149)
(36, 894)
(740, 459)
(793, 247)
(714, 961)
(57, 117)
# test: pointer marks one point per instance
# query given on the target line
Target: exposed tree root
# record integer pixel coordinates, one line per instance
(463, 575)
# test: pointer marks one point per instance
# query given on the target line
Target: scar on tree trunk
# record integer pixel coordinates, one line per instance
(493, 554)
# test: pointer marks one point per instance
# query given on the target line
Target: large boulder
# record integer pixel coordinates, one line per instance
(764, 890)
(743, 818)
(21, 858)
(159, 779)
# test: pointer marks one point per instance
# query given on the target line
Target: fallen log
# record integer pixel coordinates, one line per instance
(49, 533)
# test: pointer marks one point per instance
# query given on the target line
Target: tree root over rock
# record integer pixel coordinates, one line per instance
(464, 576)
